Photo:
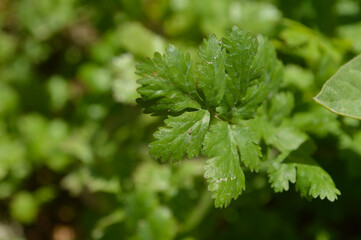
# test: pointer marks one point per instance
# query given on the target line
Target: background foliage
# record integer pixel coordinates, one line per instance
(74, 161)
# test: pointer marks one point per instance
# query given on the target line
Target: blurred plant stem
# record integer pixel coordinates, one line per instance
(198, 213)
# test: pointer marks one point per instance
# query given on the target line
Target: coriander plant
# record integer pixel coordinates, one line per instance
(228, 107)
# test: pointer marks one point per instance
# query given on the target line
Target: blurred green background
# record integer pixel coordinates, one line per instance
(74, 160)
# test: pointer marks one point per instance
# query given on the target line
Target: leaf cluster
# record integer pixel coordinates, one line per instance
(215, 107)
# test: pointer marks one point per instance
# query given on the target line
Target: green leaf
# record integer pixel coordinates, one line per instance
(285, 138)
(318, 121)
(293, 74)
(268, 82)
(185, 133)
(265, 76)
(273, 68)
(341, 94)
(314, 181)
(288, 138)
(281, 106)
(280, 175)
(212, 77)
(223, 171)
(167, 83)
(254, 95)
(242, 63)
(247, 143)
(311, 180)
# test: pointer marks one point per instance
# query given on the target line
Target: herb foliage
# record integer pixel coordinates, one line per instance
(219, 107)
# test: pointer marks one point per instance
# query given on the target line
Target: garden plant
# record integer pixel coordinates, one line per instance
(179, 119)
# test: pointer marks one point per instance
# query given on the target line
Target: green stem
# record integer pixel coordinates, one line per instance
(198, 213)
